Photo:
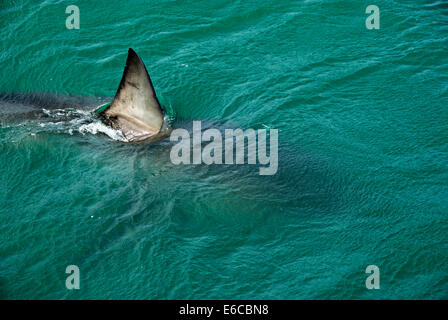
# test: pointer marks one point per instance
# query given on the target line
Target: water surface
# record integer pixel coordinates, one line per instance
(362, 119)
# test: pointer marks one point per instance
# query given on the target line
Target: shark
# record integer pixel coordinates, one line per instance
(135, 109)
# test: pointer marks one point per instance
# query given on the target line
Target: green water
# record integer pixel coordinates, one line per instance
(362, 180)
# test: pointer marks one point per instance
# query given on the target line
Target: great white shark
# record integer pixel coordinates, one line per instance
(136, 113)
(135, 110)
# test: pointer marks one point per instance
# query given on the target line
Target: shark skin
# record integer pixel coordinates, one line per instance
(135, 109)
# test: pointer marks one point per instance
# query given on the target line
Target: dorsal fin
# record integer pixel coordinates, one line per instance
(135, 108)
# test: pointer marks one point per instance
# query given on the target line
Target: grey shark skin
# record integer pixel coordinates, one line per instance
(135, 110)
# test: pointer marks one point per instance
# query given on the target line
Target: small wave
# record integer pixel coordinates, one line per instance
(62, 121)
(70, 112)
(82, 121)
(95, 127)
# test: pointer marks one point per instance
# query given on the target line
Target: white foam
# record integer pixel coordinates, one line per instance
(95, 127)
(81, 121)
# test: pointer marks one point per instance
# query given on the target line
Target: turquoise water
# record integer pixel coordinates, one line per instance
(362, 118)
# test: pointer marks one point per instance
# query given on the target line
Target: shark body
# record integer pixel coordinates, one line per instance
(135, 110)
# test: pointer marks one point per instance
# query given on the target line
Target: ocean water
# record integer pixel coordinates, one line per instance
(363, 144)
